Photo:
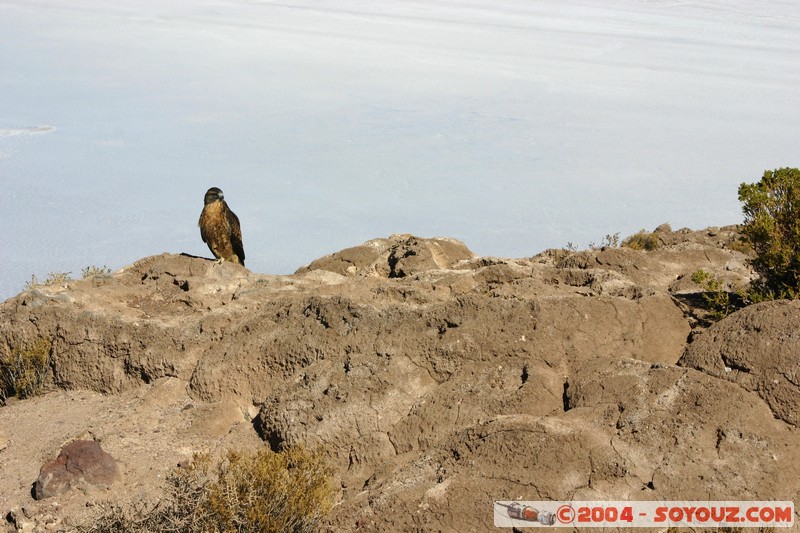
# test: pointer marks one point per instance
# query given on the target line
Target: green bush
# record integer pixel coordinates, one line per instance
(289, 491)
(23, 370)
(772, 227)
(717, 299)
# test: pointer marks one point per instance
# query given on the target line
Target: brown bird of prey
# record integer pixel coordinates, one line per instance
(219, 227)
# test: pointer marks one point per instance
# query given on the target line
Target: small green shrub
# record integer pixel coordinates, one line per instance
(772, 227)
(742, 245)
(23, 370)
(642, 240)
(289, 491)
(717, 299)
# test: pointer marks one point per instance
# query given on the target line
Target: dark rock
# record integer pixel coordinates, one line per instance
(81, 462)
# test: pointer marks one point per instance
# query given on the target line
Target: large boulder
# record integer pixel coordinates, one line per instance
(758, 348)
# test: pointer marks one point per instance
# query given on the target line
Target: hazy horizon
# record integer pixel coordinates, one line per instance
(514, 126)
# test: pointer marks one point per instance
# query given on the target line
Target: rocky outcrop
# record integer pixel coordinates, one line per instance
(398, 256)
(80, 463)
(437, 381)
(236, 335)
(758, 348)
(632, 431)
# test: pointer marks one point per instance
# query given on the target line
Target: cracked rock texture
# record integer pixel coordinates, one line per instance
(436, 381)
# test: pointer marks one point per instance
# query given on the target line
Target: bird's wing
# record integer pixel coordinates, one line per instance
(203, 233)
(236, 234)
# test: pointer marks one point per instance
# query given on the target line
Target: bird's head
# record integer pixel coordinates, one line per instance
(213, 194)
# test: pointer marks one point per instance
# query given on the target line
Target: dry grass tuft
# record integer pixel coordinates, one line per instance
(23, 370)
(53, 278)
(642, 240)
(289, 491)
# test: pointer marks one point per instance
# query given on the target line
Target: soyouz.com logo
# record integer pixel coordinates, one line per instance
(643, 514)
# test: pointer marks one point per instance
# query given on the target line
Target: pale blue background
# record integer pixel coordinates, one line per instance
(512, 125)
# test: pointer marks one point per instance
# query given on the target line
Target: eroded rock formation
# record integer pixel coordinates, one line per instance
(437, 381)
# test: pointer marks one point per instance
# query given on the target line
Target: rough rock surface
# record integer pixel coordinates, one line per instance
(757, 348)
(436, 381)
(398, 256)
(80, 463)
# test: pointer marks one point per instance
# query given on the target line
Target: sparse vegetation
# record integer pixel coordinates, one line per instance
(771, 231)
(719, 301)
(23, 370)
(740, 244)
(609, 241)
(91, 271)
(612, 241)
(772, 227)
(61, 278)
(642, 240)
(53, 278)
(288, 491)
